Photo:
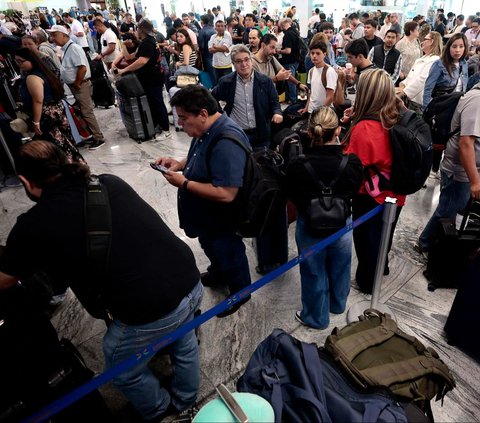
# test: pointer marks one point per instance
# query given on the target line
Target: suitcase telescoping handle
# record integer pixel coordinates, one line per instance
(466, 215)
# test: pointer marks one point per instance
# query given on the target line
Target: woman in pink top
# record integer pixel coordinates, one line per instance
(376, 110)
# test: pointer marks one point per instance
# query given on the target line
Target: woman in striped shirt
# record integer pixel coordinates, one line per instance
(188, 55)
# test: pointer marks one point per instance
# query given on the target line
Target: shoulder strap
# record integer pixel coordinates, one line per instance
(324, 76)
(224, 136)
(98, 225)
(324, 189)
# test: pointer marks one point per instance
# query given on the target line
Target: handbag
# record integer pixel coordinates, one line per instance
(326, 213)
(186, 75)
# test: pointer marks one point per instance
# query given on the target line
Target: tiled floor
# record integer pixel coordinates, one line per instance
(226, 344)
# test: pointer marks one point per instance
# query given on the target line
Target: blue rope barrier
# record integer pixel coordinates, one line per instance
(73, 396)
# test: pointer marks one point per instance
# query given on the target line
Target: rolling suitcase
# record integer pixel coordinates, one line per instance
(463, 312)
(449, 254)
(134, 108)
(103, 94)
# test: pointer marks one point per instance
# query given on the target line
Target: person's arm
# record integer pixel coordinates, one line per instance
(81, 72)
(35, 86)
(329, 97)
(397, 69)
(109, 50)
(140, 62)
(466, 147)
(274, 104)
(7, 281)
(172, 164)
(433, 76)
(202, 189)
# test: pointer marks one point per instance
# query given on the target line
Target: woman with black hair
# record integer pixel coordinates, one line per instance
(42, 94)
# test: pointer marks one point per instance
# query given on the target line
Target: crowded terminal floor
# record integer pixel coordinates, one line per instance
(227, 344)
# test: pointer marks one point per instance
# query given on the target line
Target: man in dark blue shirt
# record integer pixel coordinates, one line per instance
(212, 176)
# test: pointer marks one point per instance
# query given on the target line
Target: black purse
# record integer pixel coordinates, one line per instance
(326, 213)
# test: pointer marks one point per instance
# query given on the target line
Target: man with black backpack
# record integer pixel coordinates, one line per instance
(213, 173)
(460, 168)
(121, 261)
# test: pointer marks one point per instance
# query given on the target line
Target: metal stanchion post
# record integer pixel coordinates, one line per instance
(357, 309)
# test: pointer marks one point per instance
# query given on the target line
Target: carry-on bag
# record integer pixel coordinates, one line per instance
(134, 108)
(463, 312)
(448, 255)
(303, 385)
(103, 94)
(375, 352)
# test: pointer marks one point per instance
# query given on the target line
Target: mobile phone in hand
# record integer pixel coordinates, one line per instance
(159, 167)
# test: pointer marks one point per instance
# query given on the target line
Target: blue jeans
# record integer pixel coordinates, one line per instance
(454, 196)
(229, 263)
(325, 277)
(138, 383)
(291, 92)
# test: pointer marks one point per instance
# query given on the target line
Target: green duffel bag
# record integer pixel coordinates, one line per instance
(375, 352)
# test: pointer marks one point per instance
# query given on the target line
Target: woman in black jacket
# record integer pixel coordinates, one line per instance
(325, 276)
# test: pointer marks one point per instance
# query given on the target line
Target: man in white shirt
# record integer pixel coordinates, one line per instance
(77, 32)
(219, 46)
(314, 18)
(108, 42)
(459, 25)
(75, 72)
(218, 15)
(473, 36)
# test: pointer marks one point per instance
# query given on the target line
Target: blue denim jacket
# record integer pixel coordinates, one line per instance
(439, 78)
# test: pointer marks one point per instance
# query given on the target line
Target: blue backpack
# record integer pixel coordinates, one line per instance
(304, 385)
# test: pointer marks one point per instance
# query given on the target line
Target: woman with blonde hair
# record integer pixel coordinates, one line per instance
(412, 86)
(376, 110)
(325, 276)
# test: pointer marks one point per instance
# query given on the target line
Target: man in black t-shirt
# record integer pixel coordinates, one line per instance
(127, 25)
(290, 54)
(149, 287)
(150, 75)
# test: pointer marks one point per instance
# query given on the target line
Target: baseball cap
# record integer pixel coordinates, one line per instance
(58, 28)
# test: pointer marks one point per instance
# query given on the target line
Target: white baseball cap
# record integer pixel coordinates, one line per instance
(58, 28)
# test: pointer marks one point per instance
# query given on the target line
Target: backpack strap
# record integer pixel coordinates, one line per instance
(324, 76)
(326, 190)
(214, 142)
(98, 224)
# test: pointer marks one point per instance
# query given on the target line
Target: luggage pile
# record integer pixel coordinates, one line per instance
(368, 371)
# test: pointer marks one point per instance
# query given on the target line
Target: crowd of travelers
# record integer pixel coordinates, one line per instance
(261, 70)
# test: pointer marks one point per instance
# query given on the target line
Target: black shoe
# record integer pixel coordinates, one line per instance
(266, 268)
(234, 308)
(96, 144)
(186, 416)
(208, 280)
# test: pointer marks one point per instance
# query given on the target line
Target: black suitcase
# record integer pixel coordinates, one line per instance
(103, 94)
(36, 368)
(463, 312)
(449, 254)
(134, 108)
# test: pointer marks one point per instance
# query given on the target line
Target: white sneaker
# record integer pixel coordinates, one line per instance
(163, 136)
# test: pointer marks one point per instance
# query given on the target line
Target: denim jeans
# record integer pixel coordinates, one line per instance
(325, 277)
(154, 95)
(138, 383)
(291, 92)
(454, 196)
(229, 263)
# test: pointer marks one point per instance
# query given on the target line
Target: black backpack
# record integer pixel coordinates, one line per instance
(261, 193)
(412, 154)
(439, 114)
(289, 145)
